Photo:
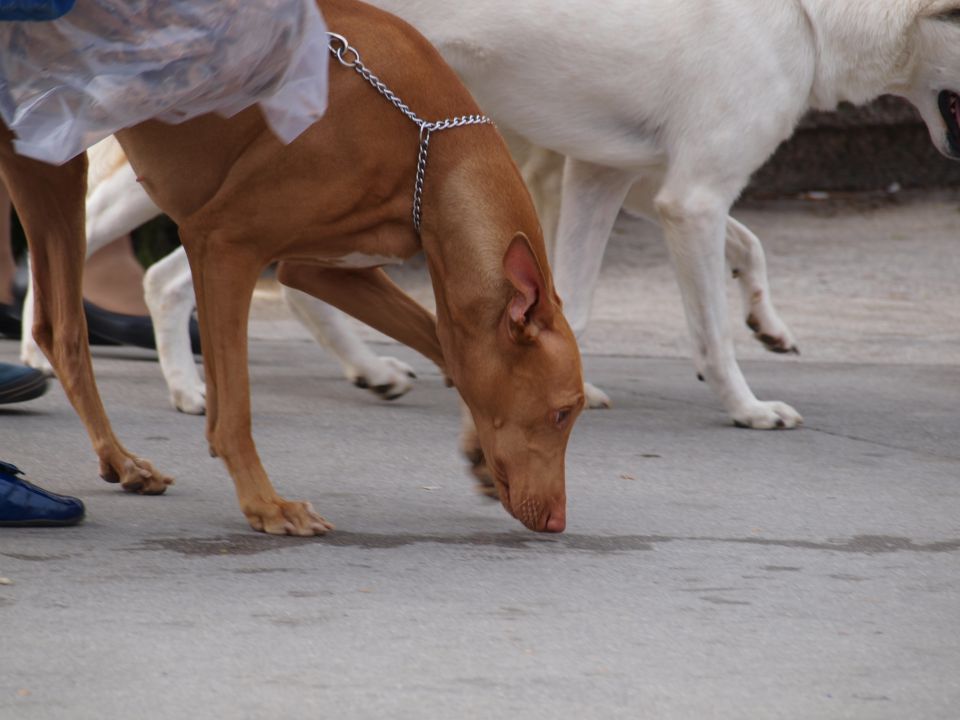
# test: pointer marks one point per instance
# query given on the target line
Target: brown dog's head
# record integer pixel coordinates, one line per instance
(520, 375)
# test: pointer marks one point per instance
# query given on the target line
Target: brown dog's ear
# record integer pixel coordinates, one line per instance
(530, 310)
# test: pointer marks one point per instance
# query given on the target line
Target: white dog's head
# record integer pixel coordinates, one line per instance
(935, 84)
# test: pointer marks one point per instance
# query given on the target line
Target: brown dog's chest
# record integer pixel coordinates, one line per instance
(387, 244)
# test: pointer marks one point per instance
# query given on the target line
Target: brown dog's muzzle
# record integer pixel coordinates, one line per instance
(535, 514)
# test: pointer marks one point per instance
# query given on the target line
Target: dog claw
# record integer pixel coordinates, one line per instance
(773, 334)
(775, 344)
(138, 476)
(388, 377)
(388, 392)
(283, 517)
(768, 416)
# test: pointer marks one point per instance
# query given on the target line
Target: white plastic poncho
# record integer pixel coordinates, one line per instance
(110, 64)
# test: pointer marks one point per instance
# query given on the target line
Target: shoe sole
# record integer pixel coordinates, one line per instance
(32, 386)
(41, 523)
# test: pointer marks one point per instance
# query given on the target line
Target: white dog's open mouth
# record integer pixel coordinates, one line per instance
(950, 109)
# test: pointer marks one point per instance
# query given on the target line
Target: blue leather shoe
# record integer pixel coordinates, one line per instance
(23, 504)
(19, 383)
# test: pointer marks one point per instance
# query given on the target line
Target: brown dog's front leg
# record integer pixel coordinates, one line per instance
(373, 298)
(225, 274)
(50, 203)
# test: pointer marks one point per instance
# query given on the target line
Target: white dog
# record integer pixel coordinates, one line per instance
(116, 205)
(667, 108)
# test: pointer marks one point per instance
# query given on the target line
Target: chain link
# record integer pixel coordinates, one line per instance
(348, 56)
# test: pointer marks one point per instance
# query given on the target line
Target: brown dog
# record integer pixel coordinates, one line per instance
(334, 206)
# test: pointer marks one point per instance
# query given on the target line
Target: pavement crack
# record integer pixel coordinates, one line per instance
(877, 443)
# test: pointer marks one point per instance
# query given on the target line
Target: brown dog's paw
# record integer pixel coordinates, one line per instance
(137, 475)
(286, 517)
(484, 485)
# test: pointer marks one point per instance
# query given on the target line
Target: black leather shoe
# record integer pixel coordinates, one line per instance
(19, 383)
(24, 504)
(11, 315)
(109, 328)
(9, 321)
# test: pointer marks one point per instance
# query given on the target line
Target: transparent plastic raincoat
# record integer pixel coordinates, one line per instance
(109, 64)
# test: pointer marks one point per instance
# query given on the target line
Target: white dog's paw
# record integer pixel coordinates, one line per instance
(388, 377)
(191, 400)
(32, 356)
(596, 398)
(768, 416)
(770, 330)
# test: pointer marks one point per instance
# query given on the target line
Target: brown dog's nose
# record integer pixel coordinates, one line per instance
(556, 521)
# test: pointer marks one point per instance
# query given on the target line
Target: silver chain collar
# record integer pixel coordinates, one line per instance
(350, 58)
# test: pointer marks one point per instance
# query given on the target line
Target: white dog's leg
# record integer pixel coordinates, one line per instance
(749, 266)
(386, 376)
(168, 292)
(694, 218)
(748, 263)
(30, 353)
(592, 196)
(542, 172)
(115, 207)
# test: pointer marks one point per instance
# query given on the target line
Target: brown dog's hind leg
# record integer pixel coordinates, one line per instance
(50, 203)
(373, 298)
(225, 274)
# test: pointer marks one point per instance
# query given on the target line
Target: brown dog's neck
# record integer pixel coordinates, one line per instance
(475, 202)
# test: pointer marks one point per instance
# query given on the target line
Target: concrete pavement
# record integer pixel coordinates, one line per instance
(706, 572)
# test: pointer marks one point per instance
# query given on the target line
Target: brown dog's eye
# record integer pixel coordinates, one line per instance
(561, 416)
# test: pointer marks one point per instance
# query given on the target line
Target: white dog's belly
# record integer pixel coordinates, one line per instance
(622, 83)
(359, 260)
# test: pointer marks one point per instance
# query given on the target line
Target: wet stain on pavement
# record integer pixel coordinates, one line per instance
(710, 589)
(254, 544)
(866, 544)
(510, 613)
(309, 593)
(482, 683)
(34, 558)
(723, 601)
(781, 568)
(235, 544)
